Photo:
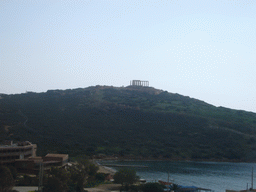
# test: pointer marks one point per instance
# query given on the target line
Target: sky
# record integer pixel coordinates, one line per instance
(201, 49)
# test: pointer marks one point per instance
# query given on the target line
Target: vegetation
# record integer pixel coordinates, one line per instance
(110, 121)
(125, 176)
(152, 187)
(74, 178)
(71, 179)
(26, 180)
(6, 179)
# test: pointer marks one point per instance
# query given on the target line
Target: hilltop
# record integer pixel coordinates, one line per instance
(129, 122)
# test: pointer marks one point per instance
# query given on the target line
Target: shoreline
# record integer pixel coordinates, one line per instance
(108, 169)
(171, 160)
(105, 169)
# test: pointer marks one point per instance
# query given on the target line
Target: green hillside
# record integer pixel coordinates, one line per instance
(129, 122)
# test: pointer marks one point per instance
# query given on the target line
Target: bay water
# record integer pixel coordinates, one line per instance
(217, 176)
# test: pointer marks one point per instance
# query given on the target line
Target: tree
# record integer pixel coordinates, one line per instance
(79, 173)
(55, 185)
(152, 187)
(125, 176)
(93, 169)
(100, 177)
(73, 178)
(6, 180)
(82, 172)
(13, 171)
(174, 187)
(62, 174)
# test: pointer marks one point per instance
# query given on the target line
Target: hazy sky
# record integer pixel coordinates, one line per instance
(205, 49)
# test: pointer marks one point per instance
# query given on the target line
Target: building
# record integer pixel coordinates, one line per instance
(139, 83)
(9, 151)
(32, 164)
(56, 159)
(23, 157)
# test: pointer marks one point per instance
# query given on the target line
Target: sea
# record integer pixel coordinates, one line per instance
(217, 176)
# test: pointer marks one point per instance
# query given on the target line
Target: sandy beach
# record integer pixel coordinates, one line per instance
(104, 169)
(105, 187)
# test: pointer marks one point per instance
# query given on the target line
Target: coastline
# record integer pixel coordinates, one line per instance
(111, 158)
(105, 169)
(110, 170)
(211, 175)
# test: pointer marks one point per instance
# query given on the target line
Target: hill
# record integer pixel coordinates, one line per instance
(129, 122)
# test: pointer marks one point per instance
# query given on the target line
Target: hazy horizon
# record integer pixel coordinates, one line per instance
(202, 49)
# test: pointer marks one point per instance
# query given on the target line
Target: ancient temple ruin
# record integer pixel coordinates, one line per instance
(139, 83)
